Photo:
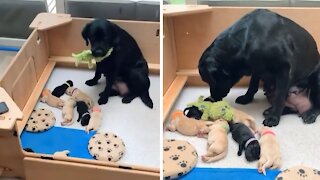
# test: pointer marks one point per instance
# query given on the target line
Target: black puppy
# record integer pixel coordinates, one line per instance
(246, 140)
(193, 112)
(84, 115)
(60, 90)
(264, 45)
(126, 62)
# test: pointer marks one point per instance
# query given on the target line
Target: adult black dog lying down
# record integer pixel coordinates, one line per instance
(125, 66)
(266, 46)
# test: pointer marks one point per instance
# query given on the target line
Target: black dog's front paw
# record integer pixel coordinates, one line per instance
(310, 116)
(91, 82)
(127, 100)
(244, 99)
(239, 153)
(102, 94)
(102, 100)
(267, 112)
(271, 121)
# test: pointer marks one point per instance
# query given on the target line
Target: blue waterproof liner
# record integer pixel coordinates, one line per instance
(229, 174)
(9, 48)
(58, 139)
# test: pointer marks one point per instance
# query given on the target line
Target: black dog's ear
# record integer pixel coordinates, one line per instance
(85, 33)
(226, 72)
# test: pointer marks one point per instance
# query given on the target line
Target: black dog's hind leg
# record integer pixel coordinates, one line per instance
(139, 84)
(281, 91)
(252, 90)
(311, 115)
(94, 80)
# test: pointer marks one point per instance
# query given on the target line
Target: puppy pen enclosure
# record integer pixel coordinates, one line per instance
(49, 47)
(188, 31)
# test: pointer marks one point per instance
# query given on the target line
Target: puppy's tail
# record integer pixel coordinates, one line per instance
(263, 167)
(209, 159)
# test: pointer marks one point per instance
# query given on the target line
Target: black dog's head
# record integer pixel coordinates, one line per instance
(219, 79)
(252, 152)
(101, 34)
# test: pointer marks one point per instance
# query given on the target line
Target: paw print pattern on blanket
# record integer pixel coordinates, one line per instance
(299, 173)
(106, 147)
(40, 120)
(179, 157)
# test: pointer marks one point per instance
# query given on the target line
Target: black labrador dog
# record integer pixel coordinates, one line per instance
(265, 45)
(246, 140)
(125, 64)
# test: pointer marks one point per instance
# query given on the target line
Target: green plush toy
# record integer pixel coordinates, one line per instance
(87, 57)
(213, 111)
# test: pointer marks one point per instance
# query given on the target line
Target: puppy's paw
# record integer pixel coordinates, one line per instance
(102, 100)
(91, 82)
(310, 116)
(244, 99)
(271, 121)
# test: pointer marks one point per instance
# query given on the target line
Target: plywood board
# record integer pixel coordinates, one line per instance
(178, 10)
(34, 96)
(172, 94)
(36, 169)
(65, 40)
(169, 54)
(68, 61)
(24, 84)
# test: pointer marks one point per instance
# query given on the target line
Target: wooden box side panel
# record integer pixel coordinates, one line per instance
(11, 157)
(169, 57)
(194, 33)
(65, 40)
(37, 169)
(26, 68)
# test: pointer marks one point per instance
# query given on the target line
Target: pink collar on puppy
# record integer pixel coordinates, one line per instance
(249, 141)
(96, 109)
(267, 132)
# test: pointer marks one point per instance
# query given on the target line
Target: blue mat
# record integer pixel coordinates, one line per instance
(58, 139)
(229, 174)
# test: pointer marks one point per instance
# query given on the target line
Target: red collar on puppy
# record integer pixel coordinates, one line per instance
(73, 91)
(267, 132)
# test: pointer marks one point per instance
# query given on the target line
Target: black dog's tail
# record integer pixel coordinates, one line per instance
(145, 97)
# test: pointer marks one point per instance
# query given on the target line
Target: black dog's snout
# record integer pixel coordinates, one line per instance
(98, 53)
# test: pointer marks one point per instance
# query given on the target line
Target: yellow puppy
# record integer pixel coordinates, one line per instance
(95, 119)
(186, 126)
(67, 112)
(270, 156)
(217, 141)
(240, 116)
(79, 96)
(53, 101)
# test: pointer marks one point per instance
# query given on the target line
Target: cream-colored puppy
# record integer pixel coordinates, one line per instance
(240, 116)
(95, 120)
(270, 156)
(51, 100)
(217, 141)
(79, 96)
(68, 111)
(186, 126)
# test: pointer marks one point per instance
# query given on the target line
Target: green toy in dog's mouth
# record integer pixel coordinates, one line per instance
(87, 57)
